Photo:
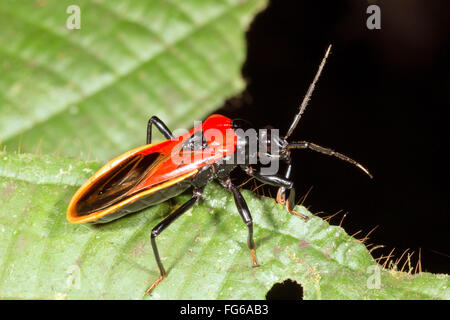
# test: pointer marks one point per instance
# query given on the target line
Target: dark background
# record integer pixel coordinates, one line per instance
(381, 100)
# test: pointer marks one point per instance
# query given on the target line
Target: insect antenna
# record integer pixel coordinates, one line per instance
(308, 95)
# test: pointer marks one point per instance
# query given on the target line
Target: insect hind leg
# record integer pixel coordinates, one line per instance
(327, 151)
(245, 215)
(163, 225)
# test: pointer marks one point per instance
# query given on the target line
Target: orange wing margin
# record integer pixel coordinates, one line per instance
(73, 218)
(71, 214)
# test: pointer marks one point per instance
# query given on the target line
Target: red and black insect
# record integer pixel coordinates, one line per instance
(149, 175)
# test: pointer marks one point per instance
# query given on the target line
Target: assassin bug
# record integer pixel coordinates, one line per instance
(148, 175)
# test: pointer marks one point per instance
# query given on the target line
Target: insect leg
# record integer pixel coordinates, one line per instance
(290, 204)
(281, 194)
(278, 181)
(327, 151)
(161, 126)
(273, 180)
(245, 215)
(163, 225)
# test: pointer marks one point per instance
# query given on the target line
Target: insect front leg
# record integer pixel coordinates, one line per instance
(245, 215)
(163, 225)
(328, 152)
(281, 194)
(281, 182)
(161, 126)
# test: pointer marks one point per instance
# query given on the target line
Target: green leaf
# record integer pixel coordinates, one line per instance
(204, 251)
(89, 93)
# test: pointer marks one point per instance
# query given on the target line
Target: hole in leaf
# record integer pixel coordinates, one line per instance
(286, 290)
